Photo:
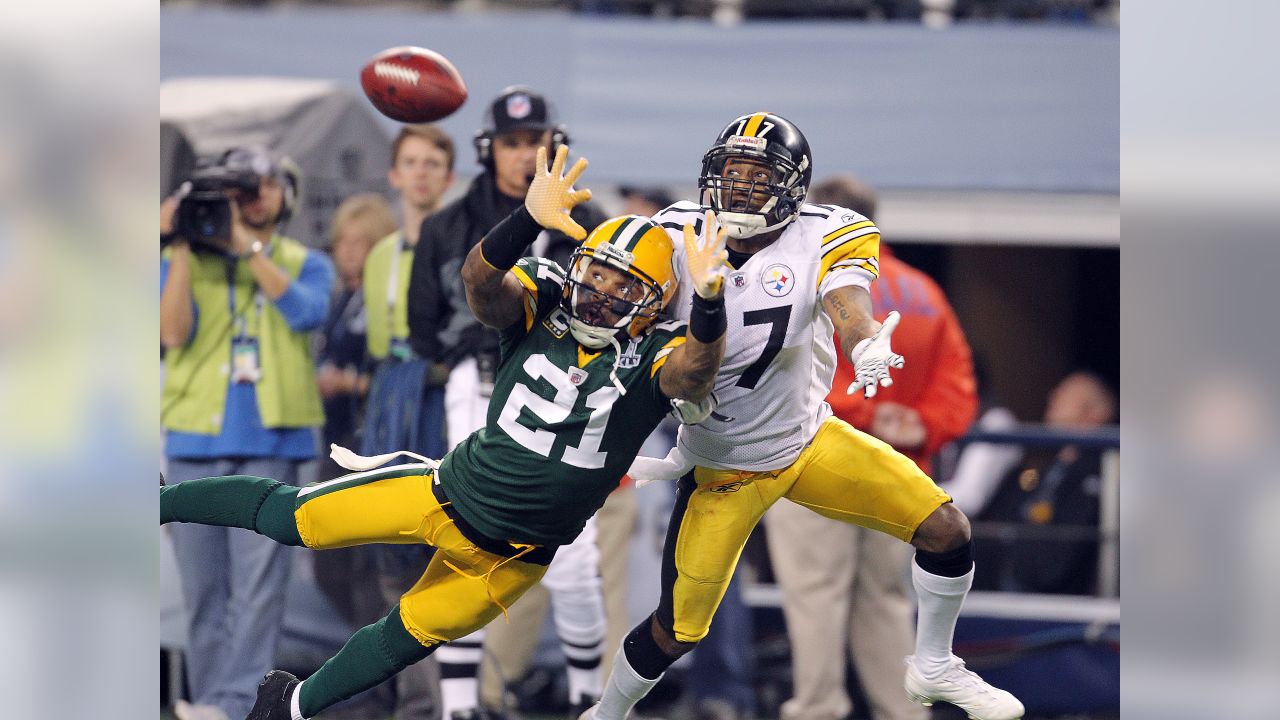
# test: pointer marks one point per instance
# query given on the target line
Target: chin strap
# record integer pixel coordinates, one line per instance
(617, 356)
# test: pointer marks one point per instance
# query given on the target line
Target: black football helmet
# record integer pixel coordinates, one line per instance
(747, 206)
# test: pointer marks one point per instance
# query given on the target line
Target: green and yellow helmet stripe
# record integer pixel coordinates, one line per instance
(625, 232)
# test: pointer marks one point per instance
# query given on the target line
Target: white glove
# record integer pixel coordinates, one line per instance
(692, 413)
(872, 359)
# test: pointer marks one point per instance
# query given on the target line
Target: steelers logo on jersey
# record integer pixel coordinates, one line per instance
(778, 280)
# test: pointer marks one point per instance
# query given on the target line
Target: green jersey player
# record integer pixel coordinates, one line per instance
(588, 369)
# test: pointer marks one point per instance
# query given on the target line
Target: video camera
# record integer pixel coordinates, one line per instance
(204, 209)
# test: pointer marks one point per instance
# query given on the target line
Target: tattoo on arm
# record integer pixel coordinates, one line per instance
(838, 305)
(850, 310)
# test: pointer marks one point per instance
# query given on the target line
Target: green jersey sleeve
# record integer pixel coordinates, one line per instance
(543, 282)
(667, 336)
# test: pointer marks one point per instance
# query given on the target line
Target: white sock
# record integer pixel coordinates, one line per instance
(623, 690)
(295, 708)
(940, 600)
(460, 664)
(581, 643)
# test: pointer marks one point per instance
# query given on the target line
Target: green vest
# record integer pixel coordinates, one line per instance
(385, 323)
(197, 375)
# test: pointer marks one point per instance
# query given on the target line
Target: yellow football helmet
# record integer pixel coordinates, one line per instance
(600, 308)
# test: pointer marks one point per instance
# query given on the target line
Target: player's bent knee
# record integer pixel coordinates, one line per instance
(275, 515)
(945, 529)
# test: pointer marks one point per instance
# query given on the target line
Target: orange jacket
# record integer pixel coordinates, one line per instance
(937, 378)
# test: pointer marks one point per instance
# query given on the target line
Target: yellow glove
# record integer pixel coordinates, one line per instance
(707, 257)
(551, 195)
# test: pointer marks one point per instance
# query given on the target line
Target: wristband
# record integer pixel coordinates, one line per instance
(707, 319)
(502, 246)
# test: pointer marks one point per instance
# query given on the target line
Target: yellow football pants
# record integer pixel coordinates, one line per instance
(464, 587)
(843, 474)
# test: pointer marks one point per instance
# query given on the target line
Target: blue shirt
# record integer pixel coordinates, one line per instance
(304, 305)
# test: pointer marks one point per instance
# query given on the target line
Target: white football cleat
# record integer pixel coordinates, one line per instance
(964, 689)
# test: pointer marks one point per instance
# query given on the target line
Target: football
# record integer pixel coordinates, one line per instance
(413, 84)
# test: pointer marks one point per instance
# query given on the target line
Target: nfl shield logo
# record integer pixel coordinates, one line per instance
(577, 375)
(738, 280)
(519, 106)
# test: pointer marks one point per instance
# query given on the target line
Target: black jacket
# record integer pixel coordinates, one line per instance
(441, 325)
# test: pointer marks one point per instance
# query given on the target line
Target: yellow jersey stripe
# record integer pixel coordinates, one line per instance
(847, 228)
(531, 304)
(753, 125)
(857, 238)
(526, 281)
(860, 252)
(661, 358)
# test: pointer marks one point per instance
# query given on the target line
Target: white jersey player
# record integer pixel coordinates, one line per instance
(780, 355)
(800, 273)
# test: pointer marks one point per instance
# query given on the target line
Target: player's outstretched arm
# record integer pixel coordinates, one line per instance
(866, 340)
(495, 296)
(690, 372)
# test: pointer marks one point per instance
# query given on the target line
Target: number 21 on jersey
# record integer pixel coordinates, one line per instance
(586, 454)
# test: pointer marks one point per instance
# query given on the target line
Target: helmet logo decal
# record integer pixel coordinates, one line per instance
(613, 252)
(519, 106)
(778, 280)
(755, 144)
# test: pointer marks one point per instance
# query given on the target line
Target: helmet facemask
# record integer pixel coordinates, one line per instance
(606, 296)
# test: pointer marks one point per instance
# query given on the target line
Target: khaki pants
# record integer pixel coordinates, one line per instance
(843, 588)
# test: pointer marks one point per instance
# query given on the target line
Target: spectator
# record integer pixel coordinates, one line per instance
(464, 354)
(349, 576)
(853, 596)
(1062, 490)
(240, 398)
(406, 402)
(357, 224)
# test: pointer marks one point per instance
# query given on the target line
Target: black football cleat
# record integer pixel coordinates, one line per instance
(274, 694)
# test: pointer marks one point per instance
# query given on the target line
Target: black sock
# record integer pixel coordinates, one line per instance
(646, 658)
(949, 563)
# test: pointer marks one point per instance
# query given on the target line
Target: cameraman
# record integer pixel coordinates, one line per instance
(237, 307)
